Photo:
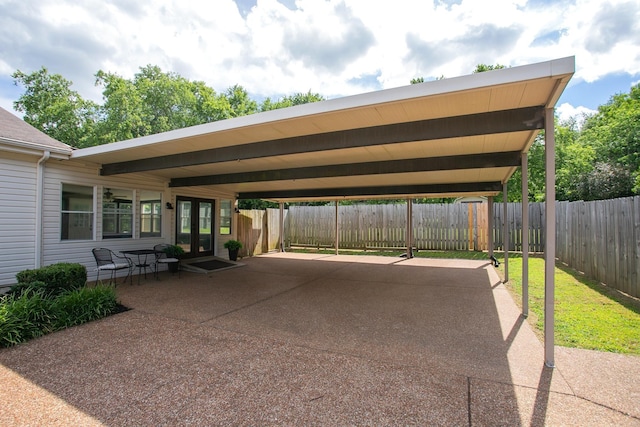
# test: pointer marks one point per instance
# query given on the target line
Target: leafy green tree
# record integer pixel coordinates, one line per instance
(241, 104)
(605, 181)
(50, 105)
(257, 204)
(290, 101)
(122, 111)
(209, 106)
(573, 159)
(153, 102)
(480, 68)
(614, 133)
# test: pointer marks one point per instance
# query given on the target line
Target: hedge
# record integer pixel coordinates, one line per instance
(49, 299)
(53, 279)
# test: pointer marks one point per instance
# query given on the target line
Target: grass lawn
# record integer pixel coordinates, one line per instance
(587, 314)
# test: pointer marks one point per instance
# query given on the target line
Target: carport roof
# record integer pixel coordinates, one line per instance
(449, 137)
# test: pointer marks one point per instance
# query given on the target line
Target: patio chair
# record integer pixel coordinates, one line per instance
(163, 258)
(107, 260)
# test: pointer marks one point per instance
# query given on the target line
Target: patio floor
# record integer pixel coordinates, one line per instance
(298, 339)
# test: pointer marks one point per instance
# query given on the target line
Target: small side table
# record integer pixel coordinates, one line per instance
(142, 260)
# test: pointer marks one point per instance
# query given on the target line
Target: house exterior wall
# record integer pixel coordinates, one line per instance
(18, 174)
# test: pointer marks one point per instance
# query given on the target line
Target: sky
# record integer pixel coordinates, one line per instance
(335, 48)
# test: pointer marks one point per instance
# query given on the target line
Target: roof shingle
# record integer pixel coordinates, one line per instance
(13, 128)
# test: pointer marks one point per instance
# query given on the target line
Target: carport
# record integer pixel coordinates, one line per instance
(446, 138)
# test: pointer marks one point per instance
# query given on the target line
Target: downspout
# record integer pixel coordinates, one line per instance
(39, 207)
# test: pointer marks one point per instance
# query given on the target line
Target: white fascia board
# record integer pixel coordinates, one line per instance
(30, 148)
(504, 76)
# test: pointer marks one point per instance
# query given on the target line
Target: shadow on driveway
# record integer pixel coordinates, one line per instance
(298, 339)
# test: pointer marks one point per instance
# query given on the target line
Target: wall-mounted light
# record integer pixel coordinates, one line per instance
(169, 205)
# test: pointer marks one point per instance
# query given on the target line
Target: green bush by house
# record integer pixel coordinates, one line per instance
(54, 279)
(49, 299)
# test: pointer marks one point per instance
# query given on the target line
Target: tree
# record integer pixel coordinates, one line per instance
(257, 204)
(50, 105)
(122, 115)
(241, 104)
(290, 101)
(605, 181)
(154, 102)
(481, 68)
(614, 133)
(573, 160)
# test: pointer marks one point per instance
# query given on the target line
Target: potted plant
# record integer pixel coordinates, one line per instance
(233, 246)
(173, 251)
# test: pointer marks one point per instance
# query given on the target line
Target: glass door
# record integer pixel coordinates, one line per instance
(194, 226)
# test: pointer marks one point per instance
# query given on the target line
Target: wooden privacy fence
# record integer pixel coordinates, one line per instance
(259, 231)
(462, 226)
(601, 238)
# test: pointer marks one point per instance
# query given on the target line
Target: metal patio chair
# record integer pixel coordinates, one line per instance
(107, 260)
(162, 258)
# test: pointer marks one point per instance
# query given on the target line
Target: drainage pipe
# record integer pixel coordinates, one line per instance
(39, 208)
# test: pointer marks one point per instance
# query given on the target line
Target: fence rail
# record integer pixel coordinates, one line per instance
(600, 239)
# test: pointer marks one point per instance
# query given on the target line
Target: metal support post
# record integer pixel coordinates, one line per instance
(409, 228)
(337, 230)
(281, 226)
(550, 237)
(525, 235)
(505, 232)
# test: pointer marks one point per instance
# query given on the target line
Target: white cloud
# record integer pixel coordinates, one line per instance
(567, 112)
(334, 47)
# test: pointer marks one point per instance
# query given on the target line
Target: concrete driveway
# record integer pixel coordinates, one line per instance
(294, 339)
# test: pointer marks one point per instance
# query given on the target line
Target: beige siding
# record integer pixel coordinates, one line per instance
(17, 214)
(57, 173)
(18, 175)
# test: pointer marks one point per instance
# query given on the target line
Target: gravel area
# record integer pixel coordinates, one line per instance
(301, 339)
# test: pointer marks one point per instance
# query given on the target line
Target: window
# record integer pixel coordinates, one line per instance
(117, 213)
(150, 214)
(225, 217)
(77, 212)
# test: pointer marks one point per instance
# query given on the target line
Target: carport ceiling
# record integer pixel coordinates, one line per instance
(450, 137)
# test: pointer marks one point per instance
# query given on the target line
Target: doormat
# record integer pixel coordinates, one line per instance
(211, 265)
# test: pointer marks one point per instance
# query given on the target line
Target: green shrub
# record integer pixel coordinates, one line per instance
(58, 278)
(83, 305)
(28, 289)
(33, 313)
(24, 317)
